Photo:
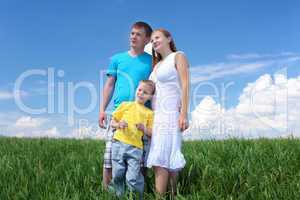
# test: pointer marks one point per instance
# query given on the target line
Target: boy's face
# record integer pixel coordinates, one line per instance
(143, 93)
(138, 38)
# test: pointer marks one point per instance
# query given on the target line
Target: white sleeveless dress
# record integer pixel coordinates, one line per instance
(165, 148)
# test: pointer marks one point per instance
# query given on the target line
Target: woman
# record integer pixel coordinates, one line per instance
(170, 105)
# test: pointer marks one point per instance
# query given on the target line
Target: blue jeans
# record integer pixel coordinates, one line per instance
(126, 169)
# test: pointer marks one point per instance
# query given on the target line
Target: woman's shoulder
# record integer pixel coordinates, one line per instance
(179, 53)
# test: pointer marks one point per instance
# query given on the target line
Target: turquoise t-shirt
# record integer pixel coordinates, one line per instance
(129, 71)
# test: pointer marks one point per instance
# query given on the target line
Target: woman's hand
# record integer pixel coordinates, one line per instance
(183, 122)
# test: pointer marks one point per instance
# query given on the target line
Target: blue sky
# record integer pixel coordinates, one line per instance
(78, 37)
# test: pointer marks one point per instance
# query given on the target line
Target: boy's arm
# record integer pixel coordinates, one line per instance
(118, 124)
(114, 124)
(145, 130)
(117, 115)
(149, 124)
(148, 132)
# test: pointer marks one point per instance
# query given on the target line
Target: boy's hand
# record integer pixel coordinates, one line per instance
(140, 127)
(123, 124)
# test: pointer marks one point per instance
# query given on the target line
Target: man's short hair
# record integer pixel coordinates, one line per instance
(145, 26)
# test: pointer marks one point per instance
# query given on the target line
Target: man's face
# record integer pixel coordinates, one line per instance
(138, 38)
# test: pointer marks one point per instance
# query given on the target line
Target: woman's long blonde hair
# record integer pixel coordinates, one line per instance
(156, 57)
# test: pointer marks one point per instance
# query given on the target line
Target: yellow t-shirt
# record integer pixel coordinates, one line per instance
(133, 113)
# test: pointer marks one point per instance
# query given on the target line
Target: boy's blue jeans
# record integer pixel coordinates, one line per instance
(126, 168)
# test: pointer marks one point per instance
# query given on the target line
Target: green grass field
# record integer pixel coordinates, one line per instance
(231, 169)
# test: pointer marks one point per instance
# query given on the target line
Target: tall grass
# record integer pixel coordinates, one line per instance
(230, 169)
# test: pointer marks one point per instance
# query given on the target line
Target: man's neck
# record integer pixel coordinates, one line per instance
(135, 51)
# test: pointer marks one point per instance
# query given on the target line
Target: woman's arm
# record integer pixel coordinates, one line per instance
(183, 71)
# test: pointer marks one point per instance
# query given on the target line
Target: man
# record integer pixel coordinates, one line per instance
(124, 73)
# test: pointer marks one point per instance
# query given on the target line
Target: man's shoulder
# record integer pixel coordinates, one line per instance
(147, 56)
(119, 55)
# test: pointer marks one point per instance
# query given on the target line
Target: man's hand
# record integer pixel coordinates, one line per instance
(107, 93)
(102, 120)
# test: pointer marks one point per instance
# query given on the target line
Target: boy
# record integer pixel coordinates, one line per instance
(131, 120)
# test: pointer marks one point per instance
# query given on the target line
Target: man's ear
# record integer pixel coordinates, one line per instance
(147, 40)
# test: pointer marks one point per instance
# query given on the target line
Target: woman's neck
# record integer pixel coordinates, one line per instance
(165, 53)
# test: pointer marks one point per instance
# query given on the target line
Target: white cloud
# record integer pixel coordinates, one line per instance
(210, 72)
(240, 66)
(148, 48)
(261, 56)
(41, 132)
(18, 125)
(6, 95)
(268, 107)
(205, 119)
(27, 126)
(88, 132)
(52, 132)
(245, 56)
(29, 122)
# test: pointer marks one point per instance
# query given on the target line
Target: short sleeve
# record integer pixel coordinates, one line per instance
(118, 113)
(113, 67)
(150, 120)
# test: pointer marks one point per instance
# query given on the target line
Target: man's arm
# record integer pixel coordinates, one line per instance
(107, 94)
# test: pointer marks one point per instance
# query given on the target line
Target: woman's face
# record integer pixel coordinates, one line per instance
(159, 41)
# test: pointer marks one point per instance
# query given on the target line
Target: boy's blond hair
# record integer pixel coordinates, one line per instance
(149, 83)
